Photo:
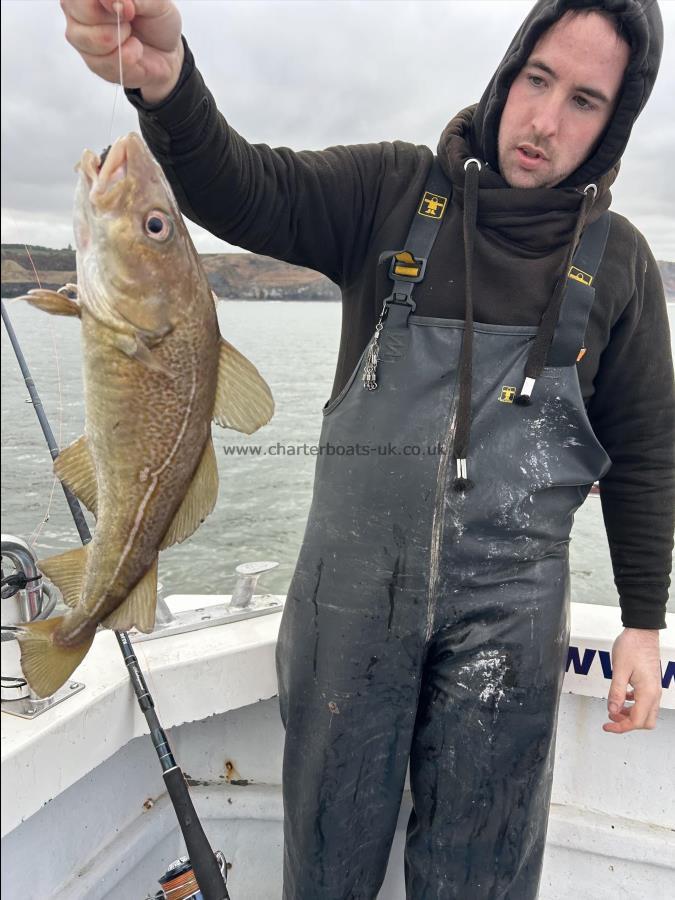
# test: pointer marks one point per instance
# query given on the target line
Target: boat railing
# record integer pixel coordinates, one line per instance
(33, 600)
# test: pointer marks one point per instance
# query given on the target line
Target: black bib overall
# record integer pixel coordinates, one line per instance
(429, 626)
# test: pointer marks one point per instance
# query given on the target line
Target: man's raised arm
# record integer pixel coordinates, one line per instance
(311, 208)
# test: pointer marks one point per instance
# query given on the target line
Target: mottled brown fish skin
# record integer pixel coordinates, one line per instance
(156, 373)
(147, 425)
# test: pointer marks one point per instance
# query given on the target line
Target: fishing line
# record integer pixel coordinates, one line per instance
(33, 539)
(117, 7)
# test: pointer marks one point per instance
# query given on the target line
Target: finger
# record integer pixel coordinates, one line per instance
(617, 727)
(125, 8)
(108, 67)
(652, 718)
(154, 8)
(630, 698)
(617, 694)
(88, 12)
(633, 718)
(160, 30)
(622, 722)
(639, 712)
(96, 40)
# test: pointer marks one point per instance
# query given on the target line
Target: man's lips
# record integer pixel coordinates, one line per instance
(529, 156)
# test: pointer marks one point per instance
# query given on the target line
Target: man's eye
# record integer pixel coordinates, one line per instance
(583, 103)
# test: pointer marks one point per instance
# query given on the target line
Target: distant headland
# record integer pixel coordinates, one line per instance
(241, 276)
(234, 276)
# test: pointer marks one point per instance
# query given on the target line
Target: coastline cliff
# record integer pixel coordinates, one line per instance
(240, 276)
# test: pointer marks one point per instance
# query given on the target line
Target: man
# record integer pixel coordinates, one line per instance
(427, 620)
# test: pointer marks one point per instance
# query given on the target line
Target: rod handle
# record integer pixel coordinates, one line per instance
(203, 859)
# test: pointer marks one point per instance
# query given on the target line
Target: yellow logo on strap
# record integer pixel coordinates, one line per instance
(432, 206)
(580, 275)
(507, 395)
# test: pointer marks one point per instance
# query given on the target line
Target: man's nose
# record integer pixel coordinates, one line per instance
(546, 117)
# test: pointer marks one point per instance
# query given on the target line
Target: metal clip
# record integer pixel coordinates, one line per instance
(370, 369)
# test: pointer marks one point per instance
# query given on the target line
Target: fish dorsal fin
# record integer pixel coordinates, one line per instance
(75, 467)
(52, 302)
(45, 665)
(198, 502)
(243, 399)
(67, 572)
(139, 608)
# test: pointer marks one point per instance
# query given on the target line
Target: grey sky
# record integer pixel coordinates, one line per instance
(298, 73)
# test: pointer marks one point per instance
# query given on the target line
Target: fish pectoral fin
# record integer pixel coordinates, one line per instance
(243, 399)
(198, 501)
(138, 610)
(45, 665)
(52, 302)
(67, 572)
(75, 467)
(132, 346)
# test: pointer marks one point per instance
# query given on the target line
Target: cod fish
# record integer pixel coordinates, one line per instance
(156, 372)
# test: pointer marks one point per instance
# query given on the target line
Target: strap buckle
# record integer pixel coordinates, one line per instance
(401, 296)
(406, 267)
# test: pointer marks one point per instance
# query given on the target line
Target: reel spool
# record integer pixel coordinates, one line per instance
(179, 882)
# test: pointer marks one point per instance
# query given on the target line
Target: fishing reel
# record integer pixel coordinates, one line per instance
(179, 881)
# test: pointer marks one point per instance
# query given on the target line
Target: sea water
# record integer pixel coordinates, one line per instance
(264, 493)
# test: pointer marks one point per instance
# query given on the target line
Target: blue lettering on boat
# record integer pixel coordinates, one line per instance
(669, 675)
(581, 665)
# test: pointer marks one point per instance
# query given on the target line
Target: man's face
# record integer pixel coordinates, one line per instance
(561, 101)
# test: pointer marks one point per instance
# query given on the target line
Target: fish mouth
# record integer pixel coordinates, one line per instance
(112, 165)
(106, 174)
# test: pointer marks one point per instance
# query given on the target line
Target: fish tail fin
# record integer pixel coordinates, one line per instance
(46, 665)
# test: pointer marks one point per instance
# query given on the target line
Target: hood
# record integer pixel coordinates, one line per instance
(529, 222)
(641, 19)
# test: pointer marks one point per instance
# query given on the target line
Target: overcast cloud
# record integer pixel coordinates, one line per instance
(298, 73)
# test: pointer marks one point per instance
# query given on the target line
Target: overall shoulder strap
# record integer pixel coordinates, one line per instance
(408, 266)
(568, 341)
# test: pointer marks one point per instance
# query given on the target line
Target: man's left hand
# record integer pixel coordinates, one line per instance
(636, 662)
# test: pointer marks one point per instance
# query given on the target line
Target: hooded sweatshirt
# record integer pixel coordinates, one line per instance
(338, 210)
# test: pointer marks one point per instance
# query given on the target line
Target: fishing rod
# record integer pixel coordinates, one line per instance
(205, 865)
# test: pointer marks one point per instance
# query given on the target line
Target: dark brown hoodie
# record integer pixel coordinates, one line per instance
(339, 209)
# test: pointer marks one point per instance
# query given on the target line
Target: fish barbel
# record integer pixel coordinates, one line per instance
(156, 372)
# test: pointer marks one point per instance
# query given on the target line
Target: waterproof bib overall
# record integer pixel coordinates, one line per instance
(429, 626)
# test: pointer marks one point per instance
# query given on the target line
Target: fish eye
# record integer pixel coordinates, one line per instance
(158, 225)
